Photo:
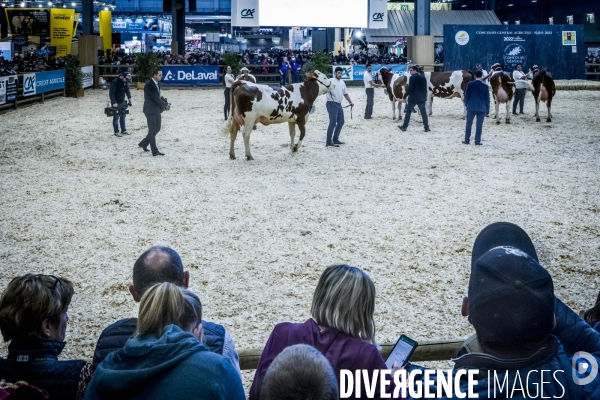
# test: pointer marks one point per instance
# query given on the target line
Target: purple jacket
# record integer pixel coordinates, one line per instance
(342, 350)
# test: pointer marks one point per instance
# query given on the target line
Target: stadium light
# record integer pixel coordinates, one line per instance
(358, 34)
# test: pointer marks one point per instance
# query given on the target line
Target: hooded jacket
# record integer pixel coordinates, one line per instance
(175, 366)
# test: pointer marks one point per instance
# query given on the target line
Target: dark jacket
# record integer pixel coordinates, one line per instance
(417, 89)
(174, 366)
(116, 335)
(477, 97)
(555, 357)
(154, 104)
(117, 91)
(36, 362)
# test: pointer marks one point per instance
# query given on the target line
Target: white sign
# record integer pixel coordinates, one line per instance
(88, 76)
(245, 12)
(378, 14)
(3, 81)
(316, 13)
(461, 38)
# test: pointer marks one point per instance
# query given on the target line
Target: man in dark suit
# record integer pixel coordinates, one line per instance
(477, 101)
(417, 95)
(154, 105)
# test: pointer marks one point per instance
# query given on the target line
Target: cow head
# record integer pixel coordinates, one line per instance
(386, 75)
(322, 80)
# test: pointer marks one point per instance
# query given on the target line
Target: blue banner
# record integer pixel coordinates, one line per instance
(357, 72)
(50, 80)
(558, 48)
(191, 74)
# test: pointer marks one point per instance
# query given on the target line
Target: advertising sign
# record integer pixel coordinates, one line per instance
(357, 72)
(88, 76)
(3, 80)
(378, 18)
(141, 25)
(192, 74)
(549, 46)
(244, 13)
(42, 82)
(61, 30)
(6, 50)
(28, 21)
(29, 84)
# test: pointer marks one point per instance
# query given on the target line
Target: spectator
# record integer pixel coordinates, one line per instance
(33, 317)
(295, 65)
(592, 316)
(161, 264)
(284, 69)
(300, 372)
(341, 327)
(522, 329)
(165, 360)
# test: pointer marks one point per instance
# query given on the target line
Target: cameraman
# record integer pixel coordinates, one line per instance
(119, 87)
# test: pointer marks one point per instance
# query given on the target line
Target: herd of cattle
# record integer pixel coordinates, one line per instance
(252, 103)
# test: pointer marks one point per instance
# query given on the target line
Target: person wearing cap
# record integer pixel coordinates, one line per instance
(532, 70)
(477, 102)
(521, 86)
(119, 88)
(525, 337)
(245, 76)
(370, 90)
(417, 95)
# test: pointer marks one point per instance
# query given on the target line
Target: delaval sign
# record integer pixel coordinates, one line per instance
(191, 75)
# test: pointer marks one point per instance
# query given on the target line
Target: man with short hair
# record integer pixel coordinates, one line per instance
(521, 87)
(284, 68)
(119, 88)
(154, 105)
(370, 90)
(300, 372)
(417, 95)
(337, 92)
(157, 265)
(528, 341)
(477, 102)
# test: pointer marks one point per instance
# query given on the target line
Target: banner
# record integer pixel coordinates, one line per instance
(75, 23)
(244, 12)
(28, 21)
(105, 21)
(61, 30)
(192, 74)
(357, 72)
(88, 76)
(3, 80)
(554, 47)
(158, 26)
(42, 82)
(6, 50)
(378, 14)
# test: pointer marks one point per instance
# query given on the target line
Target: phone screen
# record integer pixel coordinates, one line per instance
(401, 351)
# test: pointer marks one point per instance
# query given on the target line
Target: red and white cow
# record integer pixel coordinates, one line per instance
(503, 91)
(543, 90)
(447, 85)
(395, 86)
(252, 103)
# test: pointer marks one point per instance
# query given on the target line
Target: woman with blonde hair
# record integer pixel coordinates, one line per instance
(342, 327)
(165, 359)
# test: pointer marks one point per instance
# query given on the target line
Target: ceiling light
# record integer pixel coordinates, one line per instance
(22, 4)
(73, 4)
(464, 5)
(49, 3)
(510, 5)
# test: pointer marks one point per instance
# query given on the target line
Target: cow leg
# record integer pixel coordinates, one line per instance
(497, 106)
(462, 97)
(393, 109)
(301, 126)
(399, 110)
(246, 133)
(429, 105)
(292, 127)
(232, 136)
(537, 108)
(508, 104)
(549, 105)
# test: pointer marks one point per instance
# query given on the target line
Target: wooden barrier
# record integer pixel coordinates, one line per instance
(428, 350)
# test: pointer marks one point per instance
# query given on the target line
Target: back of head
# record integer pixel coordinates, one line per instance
(478, 74)
(511, 298)
(345, 300)
(161, 305)
(156, 265)
(300, 372)
(29, 300)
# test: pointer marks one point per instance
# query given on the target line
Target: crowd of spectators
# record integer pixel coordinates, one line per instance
(593, 59)
(30, 61)
(521, 329)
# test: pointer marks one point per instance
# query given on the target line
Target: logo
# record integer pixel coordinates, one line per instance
(168, 76)
(20, 40)
(378, 17)
(247, 13)
(461, 38)
(514, 54)
(513, 39)
(28, 84)
(585, 368)
(119, 25)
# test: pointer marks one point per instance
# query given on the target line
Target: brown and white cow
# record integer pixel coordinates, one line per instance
(503, 91)
(448, 85)
(543, 90)
(395, 86)
(252, 103)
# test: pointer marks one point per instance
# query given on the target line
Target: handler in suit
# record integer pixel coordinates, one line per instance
(417, 95)
(154, 105)
(477, 101)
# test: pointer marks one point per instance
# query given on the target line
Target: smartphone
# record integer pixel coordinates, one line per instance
(401, 352)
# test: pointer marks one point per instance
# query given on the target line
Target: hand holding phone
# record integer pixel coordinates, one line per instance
(401, 352)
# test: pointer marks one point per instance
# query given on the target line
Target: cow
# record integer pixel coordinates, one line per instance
(395, 87)
(245, 76)
(447, 85)
(543, 90)
(503, 90)
(252, 103)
